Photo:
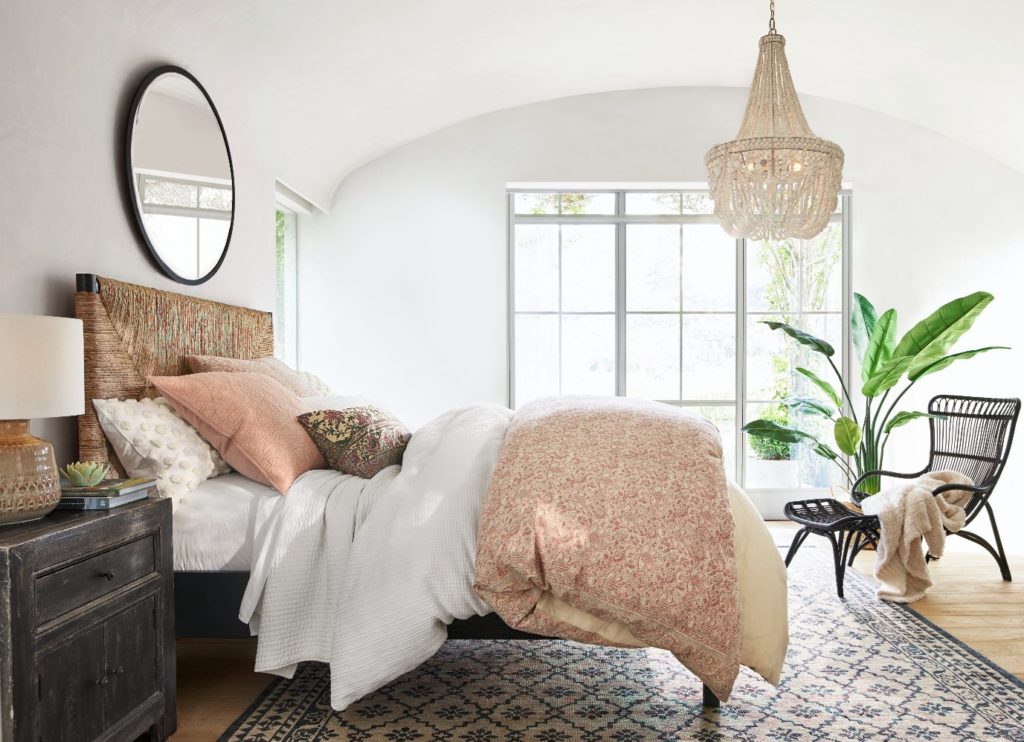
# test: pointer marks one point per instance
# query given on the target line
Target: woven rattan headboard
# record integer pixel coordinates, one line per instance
(132, 332)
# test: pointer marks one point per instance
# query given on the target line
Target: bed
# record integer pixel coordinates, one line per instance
(132, 332)
(124, 344)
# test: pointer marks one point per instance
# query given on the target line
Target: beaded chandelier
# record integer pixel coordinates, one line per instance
(776, 179)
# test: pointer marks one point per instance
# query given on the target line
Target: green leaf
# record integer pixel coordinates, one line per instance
(825, 452)
(886, 377)
(880, 345)
(862, 323)
(809, 406)
(804, 338)
(823, 385)
(776, 432)
(947, 360)
(847, 435)
(931, 338)
(902, 418)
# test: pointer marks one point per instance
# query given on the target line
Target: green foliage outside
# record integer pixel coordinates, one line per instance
(769, 449)
(799, 274)
(280, 230)
(571, 203)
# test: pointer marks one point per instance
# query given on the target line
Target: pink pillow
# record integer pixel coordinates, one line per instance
(250, 419)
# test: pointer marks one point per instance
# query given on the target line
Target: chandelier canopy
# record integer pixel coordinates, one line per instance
(776, 179)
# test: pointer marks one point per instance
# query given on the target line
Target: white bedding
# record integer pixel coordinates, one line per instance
(214, 525)
(366, 574)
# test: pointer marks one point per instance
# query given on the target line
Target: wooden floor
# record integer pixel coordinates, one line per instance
(215, 685)
(969, 600)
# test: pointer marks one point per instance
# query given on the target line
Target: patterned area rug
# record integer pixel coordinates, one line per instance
(856, 670)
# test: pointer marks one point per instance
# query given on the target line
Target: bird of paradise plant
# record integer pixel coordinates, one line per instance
(884, 362)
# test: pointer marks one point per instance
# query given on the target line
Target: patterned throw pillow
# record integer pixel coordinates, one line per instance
(357, 440)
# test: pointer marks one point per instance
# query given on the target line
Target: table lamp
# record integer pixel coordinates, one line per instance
(42, 374)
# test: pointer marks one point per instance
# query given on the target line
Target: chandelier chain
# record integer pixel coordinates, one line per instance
(771, 19)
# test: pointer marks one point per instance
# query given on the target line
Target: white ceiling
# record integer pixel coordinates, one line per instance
(332, 84)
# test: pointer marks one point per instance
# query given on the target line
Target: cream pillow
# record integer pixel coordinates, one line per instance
(314, 383)
(300, 383)
(152, 440)
(250, 418)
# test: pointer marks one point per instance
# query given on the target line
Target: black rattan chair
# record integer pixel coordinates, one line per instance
(973, 436)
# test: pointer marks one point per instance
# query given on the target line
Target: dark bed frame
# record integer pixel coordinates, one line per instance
(206, 603)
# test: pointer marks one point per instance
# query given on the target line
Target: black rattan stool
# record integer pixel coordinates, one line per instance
(847, 530)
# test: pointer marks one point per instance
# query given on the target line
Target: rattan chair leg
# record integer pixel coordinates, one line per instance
(798, 539)
(845, 539)
(840, 568)
(999, 556)
(856, 538)
(1004, 564)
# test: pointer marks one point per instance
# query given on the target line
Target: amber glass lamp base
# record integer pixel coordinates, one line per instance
(29, 478)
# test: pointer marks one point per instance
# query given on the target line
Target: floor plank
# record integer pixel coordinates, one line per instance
(216, 684)
(969, 600)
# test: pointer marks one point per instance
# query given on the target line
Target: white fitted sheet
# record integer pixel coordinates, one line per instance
(214, 524)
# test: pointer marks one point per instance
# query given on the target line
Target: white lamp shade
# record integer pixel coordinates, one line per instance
(42, 367)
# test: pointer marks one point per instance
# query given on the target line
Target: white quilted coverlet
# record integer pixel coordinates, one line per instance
(366, 575)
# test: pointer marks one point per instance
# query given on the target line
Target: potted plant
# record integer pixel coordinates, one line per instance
(772, 466)
(884, 363)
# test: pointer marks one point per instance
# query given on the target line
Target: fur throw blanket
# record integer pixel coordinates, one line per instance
(909, 512)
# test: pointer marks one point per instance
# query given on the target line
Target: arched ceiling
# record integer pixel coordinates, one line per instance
(331, 84)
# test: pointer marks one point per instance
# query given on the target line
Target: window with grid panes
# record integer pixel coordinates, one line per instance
(641, 293)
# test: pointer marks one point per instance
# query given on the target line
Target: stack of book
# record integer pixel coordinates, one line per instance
(106, 495)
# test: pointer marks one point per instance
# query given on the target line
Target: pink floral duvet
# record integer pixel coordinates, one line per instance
(616, 510)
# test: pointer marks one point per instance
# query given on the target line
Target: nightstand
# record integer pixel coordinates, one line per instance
(87, 626)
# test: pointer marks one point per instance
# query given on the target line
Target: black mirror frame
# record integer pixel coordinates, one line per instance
(132, 186)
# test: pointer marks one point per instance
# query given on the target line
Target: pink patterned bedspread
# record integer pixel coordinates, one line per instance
(618, 508)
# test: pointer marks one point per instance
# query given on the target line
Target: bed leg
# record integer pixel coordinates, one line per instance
(710, 699)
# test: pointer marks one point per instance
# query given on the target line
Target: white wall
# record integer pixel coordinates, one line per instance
(403, 283)
(67, 74)
(179, 137)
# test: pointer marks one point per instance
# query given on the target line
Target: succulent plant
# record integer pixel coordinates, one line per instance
(85, 473)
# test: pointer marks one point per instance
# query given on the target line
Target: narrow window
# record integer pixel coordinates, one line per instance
(285, 314)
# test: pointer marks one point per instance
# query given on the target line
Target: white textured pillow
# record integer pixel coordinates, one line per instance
(152, 440)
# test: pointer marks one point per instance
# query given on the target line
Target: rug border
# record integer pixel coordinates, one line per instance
(251, 708)
(971, 650)
(907, 608)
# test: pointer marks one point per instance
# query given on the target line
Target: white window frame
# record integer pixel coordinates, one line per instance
(621, 219)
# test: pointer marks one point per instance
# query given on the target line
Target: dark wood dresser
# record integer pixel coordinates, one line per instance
(87, 626)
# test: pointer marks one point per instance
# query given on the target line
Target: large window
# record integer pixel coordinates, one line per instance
(641, 293)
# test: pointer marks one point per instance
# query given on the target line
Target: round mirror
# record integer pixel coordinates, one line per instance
(181, 183)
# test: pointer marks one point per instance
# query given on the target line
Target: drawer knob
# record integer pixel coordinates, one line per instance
(108, 574)
(103, 681)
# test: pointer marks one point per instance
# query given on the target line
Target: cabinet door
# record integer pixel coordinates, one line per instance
(131, 659)
(71, 686)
